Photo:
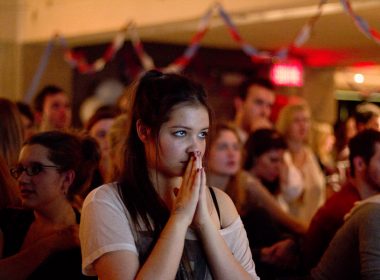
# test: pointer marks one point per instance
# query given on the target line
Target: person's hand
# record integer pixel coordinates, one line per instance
(280, 254)
(202, 215)
(186, 198)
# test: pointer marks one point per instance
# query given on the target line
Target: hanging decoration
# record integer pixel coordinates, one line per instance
(145, 59)
(304, 34)
(302, 37)
(247, 49)
(360, 23)
(180, 63)
(78, 60)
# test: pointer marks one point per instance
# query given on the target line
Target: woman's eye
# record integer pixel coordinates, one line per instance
(221, 147)
(203, 134)
(35, 169)
(236, 147)
(180, 133)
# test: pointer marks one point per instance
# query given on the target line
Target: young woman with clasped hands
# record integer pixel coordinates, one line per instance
(160, 220)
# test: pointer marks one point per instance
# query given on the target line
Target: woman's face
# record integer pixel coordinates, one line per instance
(44, 188)
(99, 131)
(225, 154)
(183, 134)
(268, 166)
(300, 126)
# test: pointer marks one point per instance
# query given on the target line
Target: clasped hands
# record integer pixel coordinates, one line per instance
(190, 201)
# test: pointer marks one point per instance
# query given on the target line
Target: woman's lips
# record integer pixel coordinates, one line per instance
(231, 163)
(26, 192)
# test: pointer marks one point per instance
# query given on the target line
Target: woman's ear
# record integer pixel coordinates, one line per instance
(68, 180)
(142, 131)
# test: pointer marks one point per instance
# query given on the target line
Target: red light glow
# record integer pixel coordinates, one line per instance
(287, 74)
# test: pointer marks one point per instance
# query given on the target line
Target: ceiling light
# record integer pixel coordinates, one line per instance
(359, 78)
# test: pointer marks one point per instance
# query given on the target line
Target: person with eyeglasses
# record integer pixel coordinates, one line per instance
(40, 240)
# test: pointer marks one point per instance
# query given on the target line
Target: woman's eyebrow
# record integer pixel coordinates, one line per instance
(187, 127)
(180, 126)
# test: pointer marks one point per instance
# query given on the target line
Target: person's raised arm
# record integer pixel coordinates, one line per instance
(258, 192)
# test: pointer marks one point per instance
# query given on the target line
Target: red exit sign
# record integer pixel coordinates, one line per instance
(288, 73)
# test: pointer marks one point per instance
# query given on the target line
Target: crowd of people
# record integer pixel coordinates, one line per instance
(163, 190)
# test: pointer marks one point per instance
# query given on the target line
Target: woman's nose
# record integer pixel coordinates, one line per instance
(23, 177)
(194, 145)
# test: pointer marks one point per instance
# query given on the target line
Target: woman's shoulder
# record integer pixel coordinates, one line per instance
(369, 211)
(228, 212)
(251, 183)
(248, 178)
(106, 192)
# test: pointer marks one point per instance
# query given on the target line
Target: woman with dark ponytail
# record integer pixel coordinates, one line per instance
(40, 240)
(159, 220)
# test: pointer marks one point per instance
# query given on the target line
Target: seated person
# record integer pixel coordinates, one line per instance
(293, 124)
(264, 160)
(325, 223)
(353, 253)
(52, 109)
(267, 225)
(367, 116)
(40, 240)
(98, 127)
(160, 219)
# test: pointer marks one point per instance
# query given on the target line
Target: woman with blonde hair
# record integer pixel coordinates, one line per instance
(322, 144)
(294, 124)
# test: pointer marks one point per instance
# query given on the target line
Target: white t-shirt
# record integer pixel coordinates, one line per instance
(105, 227)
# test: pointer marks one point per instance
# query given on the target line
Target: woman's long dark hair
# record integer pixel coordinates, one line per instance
(152, 102)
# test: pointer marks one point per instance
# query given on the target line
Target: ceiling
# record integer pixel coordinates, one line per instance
(264, 24)
(334, 41)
